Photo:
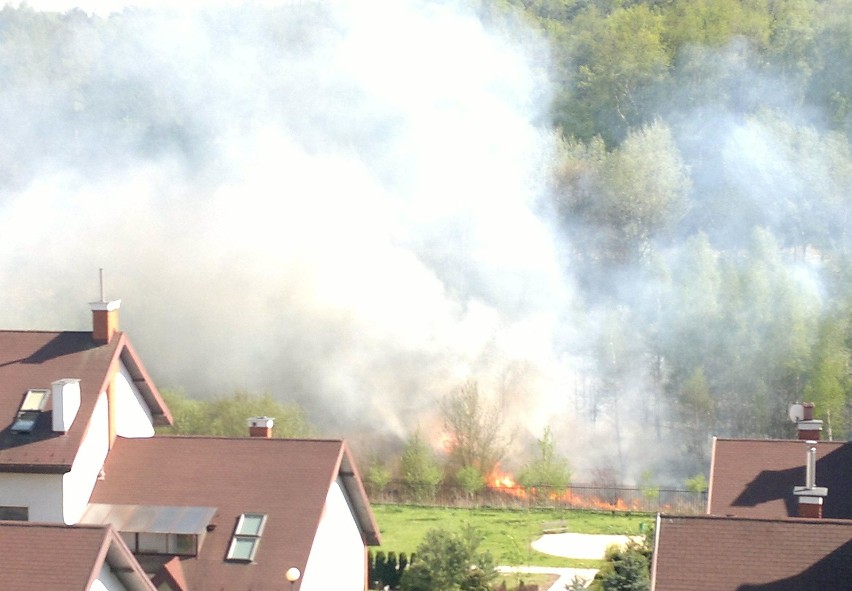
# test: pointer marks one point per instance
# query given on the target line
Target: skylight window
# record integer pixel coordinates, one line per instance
(30, 409)
(246, 536)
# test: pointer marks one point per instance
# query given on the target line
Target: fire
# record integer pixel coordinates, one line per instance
(505, 483)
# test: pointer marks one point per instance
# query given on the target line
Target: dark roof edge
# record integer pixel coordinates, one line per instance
(35, 468)
(119, 550)
(348, 472)
(790, 440)
(126, 353)
(106, 541)
(742, 519)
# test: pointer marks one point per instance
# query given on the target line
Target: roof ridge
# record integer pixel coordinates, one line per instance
(740, 518)
(51, 525)
(241, 438)
(42, 331)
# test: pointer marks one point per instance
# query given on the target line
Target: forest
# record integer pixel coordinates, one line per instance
(693, 185)
(703, 182)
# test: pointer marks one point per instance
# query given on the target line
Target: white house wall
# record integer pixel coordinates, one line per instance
(107, 581)
(337, 560)
(40, 493)
(80, 481)
(132, 416)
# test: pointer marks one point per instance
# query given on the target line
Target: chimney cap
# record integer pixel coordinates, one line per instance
(261, 421)
(106, 306)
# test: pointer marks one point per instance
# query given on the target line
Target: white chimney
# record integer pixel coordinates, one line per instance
(66, 403)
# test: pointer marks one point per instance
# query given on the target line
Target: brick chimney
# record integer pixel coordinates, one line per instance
(808, 428)
(104, 320)
(261, 427)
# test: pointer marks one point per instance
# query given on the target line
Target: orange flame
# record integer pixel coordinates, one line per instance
(506, 484)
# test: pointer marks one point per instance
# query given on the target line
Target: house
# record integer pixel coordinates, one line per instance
(260, 507)
(78, 454)
(779, 518)
(55, 557)
(759, 478)
(749, 554)
(802, 477)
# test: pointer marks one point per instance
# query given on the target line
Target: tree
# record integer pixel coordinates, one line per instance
(450, 561)
(625, 569)
(647, 184)
(620, 59)
(226, 416)
(695, 414)
(419, 469)
(829, 385)
(549, 472)
(474, 428)
(697, 483)
(378, 476)
(470, 480)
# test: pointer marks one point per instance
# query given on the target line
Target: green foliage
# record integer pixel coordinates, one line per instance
(695, 413)
(470, 480)
(507, 533)
(625, 569)
(378, 476)
(549, 471)
(620, 59)
(475, 429)
(650, 491)
(697, 483)
(450, 560)
(419, 468)
(227, 416)
(829, 384)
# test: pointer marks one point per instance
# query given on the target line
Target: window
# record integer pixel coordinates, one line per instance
(246, 536)
(173, 544)
(30, 409)
(15, 513)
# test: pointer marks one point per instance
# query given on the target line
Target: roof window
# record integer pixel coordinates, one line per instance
(29, 411)
(246, 536)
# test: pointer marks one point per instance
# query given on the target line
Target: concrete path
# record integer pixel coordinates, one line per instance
(566, 575)
(568, 545)
(586, 546)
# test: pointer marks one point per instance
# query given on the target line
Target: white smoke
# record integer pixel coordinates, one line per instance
(349, 218)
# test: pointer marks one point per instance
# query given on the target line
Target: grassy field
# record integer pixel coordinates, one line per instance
(507, 533)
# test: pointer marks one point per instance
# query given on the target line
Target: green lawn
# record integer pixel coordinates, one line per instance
(507, 533)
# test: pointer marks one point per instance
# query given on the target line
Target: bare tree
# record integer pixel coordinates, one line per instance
(475, 429)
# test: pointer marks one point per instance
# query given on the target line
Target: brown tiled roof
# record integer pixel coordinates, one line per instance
(48, 557)
(698, 553)
(286, 479)
(755, 478)
(35, 359)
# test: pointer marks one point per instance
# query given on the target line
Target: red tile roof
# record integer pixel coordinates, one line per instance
(698, 553)
(47, 557)
(755, 478)
(35, 359)
(286, 479)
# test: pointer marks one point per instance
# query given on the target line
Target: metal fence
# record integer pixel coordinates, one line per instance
(576, 496)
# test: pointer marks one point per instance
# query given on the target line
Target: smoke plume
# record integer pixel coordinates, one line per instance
(345, 205)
